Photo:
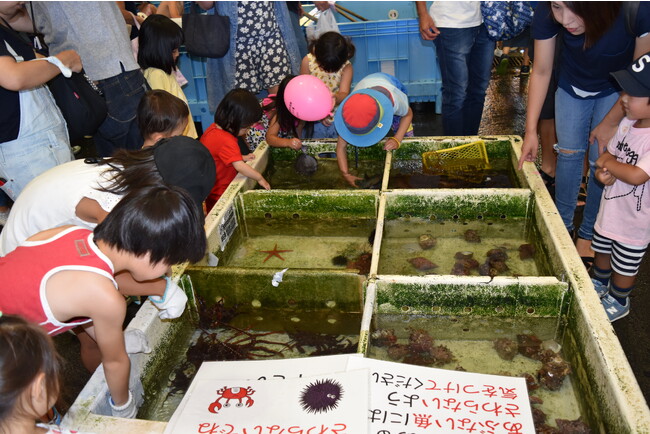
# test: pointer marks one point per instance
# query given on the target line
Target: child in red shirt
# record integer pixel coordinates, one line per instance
(236, 113)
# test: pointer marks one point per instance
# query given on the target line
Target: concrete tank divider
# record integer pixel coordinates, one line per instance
(615, 399)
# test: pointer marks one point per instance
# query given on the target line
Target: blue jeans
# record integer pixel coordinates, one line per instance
(120, 129)
(574, 120)
(42, 142)
(300, 34)
(465, 57)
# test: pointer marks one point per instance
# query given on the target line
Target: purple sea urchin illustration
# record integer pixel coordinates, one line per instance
(321, 396)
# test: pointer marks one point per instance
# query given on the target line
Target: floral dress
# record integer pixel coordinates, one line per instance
(261, 57)
(331, 79)
(257, 133)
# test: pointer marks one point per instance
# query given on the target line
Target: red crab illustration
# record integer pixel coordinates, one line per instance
(229, 393)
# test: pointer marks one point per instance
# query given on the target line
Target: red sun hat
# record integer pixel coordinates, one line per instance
(364, 117)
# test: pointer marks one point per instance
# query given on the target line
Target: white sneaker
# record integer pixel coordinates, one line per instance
(4, 215)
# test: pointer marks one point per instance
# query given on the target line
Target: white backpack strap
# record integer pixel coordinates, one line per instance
(13, 53)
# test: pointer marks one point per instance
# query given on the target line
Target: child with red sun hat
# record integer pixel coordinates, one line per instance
(377, 104)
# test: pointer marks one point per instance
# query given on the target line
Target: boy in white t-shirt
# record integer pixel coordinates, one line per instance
(622, 230)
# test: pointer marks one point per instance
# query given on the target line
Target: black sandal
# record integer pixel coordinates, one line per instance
(588, 262)
(549, 182)
(582, 193)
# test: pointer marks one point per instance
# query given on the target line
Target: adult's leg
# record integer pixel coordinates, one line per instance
(120, 129)
(546, 128)
(453, 47)
(573, 124)
(479, 63)
(548, 139)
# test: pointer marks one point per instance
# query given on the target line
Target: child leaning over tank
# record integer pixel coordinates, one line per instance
(278, 126)
(63, 278)
(622, 229)
(329, 60)
(235, 115)
(377, 104)
(83, 192)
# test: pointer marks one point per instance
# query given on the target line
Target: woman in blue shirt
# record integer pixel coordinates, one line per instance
(596, 38)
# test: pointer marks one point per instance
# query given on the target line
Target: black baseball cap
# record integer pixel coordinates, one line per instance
(184, 162)
(635, 79)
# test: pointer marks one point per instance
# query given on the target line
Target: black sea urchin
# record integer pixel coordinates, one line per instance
(321, 396)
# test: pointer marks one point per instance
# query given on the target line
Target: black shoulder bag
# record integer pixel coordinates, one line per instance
(81, 103)
(206, 35)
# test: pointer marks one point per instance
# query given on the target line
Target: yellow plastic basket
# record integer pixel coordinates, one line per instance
(461, 161)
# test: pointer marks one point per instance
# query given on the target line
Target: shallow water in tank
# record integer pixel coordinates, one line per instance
(411, 174)
(472, 349)
(302, 243)
(283, 175)
(254, 334)
(400, 245)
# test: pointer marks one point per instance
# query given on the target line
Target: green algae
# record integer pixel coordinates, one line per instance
(506, 204)
(322, 205)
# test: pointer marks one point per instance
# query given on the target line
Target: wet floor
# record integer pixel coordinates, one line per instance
(504, 113)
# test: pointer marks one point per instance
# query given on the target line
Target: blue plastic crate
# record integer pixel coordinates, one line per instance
(374, 11)
(193, 68)
(395, 47)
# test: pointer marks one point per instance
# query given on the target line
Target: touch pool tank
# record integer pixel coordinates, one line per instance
(468, 265)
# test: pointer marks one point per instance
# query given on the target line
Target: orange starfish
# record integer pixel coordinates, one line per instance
(274, 252)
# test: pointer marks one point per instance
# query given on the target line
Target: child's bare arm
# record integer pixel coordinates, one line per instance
(346, 83)
(249, 172)
(129, 286)
(107, 309)
(90, 210)
(342, 160)
(627, 173)
(404, 123)
(304, 65)
(274, 140)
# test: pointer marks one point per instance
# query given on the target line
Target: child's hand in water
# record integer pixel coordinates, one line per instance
(351, 179)
(248, 157)
(295, 144)
(264, 183)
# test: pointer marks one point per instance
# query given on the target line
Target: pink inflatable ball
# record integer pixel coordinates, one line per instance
(308, 98)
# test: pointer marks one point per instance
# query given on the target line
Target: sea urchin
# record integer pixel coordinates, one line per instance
(321, 396)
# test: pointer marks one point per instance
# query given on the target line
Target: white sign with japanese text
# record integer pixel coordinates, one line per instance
(408, 399)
